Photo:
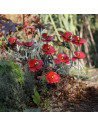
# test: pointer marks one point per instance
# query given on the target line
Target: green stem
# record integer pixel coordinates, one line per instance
(54, 26)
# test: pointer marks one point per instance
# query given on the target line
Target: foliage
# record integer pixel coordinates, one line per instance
(2, 107)
(28, 81)
(46, 104)
(11, 93)
(36, 97)
(33, 53)
(15, 87)
(7, 25)
(16, 71)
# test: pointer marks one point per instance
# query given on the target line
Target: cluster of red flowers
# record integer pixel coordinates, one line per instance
(75, 39)
(52, 76)
(36, 64)
(13, 41)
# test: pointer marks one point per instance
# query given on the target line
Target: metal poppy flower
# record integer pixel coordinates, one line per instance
(46, 38)
(77, 40)
(28, 44)
(35, 64)
(66, 36)
(78, 55)
(48, 49)
(63, 57)
(52, 77)
(12, 40)
(29, 29)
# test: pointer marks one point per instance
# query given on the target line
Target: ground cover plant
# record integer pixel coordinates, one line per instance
(35, 72)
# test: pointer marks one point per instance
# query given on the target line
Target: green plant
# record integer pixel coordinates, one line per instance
(36, 97)
(28, 81)
(12, 95)
(43, 82)
(2, 108)
(14, 68)
(16, 71)
(46, 104)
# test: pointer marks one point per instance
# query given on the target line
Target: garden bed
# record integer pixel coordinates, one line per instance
(69, 95)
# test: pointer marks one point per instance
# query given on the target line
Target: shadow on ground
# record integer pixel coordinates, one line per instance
(89, 103)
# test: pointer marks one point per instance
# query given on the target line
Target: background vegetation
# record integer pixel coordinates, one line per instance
(16, 86)
(86, 25)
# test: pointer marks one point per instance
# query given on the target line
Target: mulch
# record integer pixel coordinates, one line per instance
(69, 95)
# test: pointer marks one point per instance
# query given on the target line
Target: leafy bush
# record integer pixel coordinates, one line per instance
(12, 94)
(28, 81)
(34, 53)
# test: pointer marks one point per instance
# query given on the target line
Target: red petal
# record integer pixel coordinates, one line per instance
(74, 58)
(57, 61)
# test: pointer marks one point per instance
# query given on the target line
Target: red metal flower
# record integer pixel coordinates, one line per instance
(66, 36)
(46, 38)
(77, 40)
(57, 61)
(52, 77)
(29, 29)
(48, 49)
(12, 40)
(35, 64)
(78, 55)
(28, 44)
(63, 57)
